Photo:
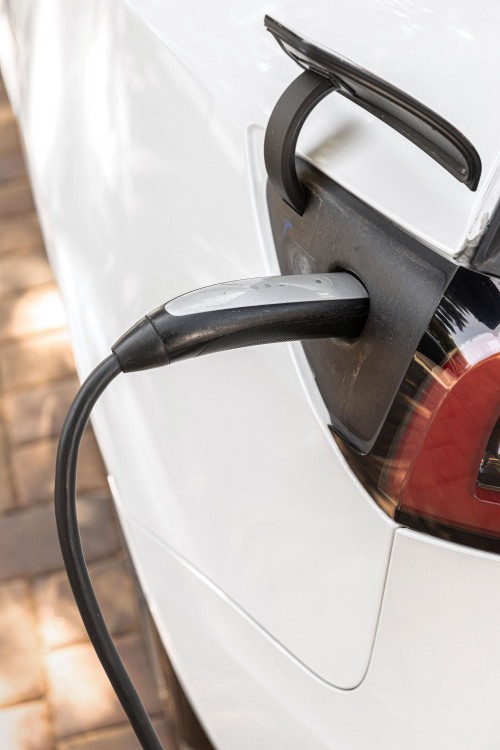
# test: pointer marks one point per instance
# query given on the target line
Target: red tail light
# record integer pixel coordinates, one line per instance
(435, 470)
(436, 464)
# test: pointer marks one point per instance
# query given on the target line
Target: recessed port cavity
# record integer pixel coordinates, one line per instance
(405, 282)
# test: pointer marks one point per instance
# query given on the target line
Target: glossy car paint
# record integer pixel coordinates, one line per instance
(433, 678)
(275, 530)
(264, 560)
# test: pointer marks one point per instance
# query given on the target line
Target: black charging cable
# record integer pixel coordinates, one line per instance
(216, 318)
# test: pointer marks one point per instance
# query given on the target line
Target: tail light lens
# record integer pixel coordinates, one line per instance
(436, 464)
(434, 472)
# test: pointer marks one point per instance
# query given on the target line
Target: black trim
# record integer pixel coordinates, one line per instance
(448, 533)
(487, 257)
(429, 131)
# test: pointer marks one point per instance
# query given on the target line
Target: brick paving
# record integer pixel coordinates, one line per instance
(53, 692)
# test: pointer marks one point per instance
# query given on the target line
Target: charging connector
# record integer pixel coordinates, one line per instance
(245, 313)
(220, 317)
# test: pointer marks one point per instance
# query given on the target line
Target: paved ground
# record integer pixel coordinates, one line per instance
(53, 693)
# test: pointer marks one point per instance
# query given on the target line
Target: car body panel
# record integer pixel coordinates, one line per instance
(224, 468)
(288, 533)
(433, 680)
(401, 41)
(245, 71)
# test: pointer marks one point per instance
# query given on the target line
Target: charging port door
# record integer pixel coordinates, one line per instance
(405, 281)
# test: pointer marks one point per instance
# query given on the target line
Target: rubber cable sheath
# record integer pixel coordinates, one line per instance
(74, 560)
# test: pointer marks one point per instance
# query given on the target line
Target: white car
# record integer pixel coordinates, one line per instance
(316, 526)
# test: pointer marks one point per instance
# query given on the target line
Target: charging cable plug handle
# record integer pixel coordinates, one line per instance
(245, 313)
(225, 316)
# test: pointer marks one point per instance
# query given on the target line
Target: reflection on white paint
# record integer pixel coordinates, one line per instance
(46, 82)
(98, 113)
